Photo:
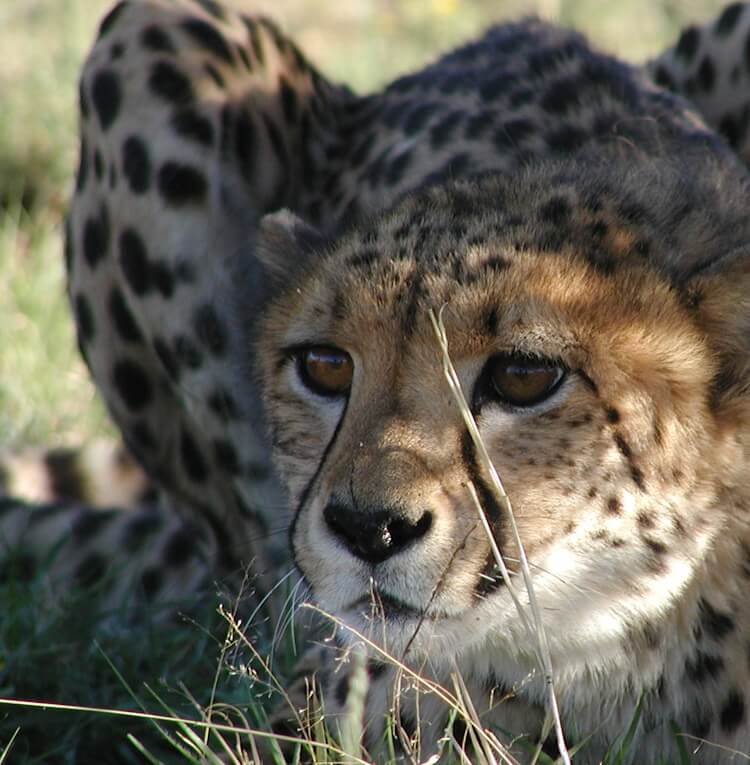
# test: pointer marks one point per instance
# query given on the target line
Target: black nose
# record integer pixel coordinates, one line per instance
(375, 535)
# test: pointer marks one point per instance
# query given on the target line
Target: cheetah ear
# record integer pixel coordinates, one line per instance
(286, 244)
(719, 295)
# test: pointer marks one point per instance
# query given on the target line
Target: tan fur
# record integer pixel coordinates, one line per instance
(628, 484)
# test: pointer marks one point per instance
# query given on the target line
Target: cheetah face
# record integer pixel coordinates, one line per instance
(588, 371)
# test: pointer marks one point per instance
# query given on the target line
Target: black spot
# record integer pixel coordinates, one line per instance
(143, 525)
(210, 330)
(613, 416)
(364, 259)
(96, 237)
(727, 21)
(223, 405)
(213, 8)
(84, 318)
(83, 101)
(362, 150)
(117, 51)
(521, 97)
(418, 117)
(561, 96)
(98, 165)
(132, 384)
(716, 623)
(548, 60)
(89, 523)
(179, 548)
(730, 128)
(134, 261)
(66, 480)
(490, 579)
(109, 20)
(342, 690)
(245, 58)
(490, 321)
(209, 37)
(664, 78)
(91, 570)
(226, 457)
(550, 748)
(460, 731)
(688, 43)
(151, 582)
(645, 520)
(375, 668)
(407, 723)
(566, 139)
(17, 565)
(623, 446)
(136, 164)
(614, 506)
(732, 711)
(288, 97)
(141, 433)
(184, 272)
(703, 666)
(491, 89)
(277, 141)
(156, 39)
(162, 278)
(244, 143)
(511, 133)
(186, 352)
(255, 40)
(555, 211)
(397, 168)
(192, 459)
(83, 166)
(442, 132)
(169, 83)
(706, 74)
(181, 184)
(191, 124)
(214, 74)
(123, 319)
(166, 357)
(106, 94)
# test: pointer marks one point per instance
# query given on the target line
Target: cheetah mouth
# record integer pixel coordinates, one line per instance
(390, 608)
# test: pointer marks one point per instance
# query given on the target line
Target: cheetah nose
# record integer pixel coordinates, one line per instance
(375, 535)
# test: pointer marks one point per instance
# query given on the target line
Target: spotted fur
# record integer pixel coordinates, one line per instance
(560, 203)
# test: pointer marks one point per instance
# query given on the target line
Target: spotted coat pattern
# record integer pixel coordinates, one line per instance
(197, 121)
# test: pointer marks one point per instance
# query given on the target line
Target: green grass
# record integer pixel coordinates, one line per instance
(66, 654)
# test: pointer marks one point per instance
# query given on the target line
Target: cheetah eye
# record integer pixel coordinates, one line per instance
(325, 370)
(523, 381)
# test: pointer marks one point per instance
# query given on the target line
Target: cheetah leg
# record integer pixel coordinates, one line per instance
(194, 122)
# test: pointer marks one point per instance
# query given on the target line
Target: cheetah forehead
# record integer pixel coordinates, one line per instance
(607, 231)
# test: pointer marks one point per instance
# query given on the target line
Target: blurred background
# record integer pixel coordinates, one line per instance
(45, 394)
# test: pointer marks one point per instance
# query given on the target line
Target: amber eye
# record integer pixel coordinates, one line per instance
(523, 381)
(325, 370)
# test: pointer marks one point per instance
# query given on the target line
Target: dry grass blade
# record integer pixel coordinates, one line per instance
(538, 631)
(487, 748)
(8, 746)
(450, 700)
(199, 724)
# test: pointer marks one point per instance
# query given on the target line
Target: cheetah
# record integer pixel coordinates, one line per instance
(580, 225)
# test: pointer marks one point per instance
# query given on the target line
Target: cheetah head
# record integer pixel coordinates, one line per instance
(595, 317)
